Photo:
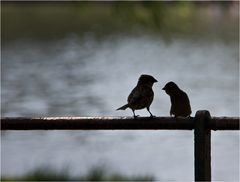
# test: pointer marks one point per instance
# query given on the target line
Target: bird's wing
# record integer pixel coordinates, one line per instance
(135, 96)
(185, 103)
(188, 105)
(140, 97)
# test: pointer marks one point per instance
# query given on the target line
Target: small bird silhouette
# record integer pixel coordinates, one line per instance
(141, 96)
(179, 100)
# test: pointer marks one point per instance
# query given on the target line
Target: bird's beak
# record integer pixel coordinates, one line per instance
(155, 80)
(163, 88)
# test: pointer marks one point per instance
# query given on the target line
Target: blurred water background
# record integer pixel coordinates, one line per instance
(84, 58)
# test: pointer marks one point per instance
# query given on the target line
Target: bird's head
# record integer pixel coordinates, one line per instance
(146, 80)
(170, 88)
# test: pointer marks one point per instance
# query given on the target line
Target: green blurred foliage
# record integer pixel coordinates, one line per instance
(95, 174)
(49, 20)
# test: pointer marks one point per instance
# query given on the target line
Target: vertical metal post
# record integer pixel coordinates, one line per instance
(202, 146)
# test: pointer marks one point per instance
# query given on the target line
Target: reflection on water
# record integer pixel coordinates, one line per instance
(88, 77)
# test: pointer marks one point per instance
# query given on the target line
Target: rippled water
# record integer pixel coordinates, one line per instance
(89, 77)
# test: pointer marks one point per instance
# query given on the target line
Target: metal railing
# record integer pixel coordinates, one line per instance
(202, 124)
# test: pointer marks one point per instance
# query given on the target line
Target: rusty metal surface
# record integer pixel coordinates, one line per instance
(96, 123)
(224, 123)
(202, 146)
(113, 123)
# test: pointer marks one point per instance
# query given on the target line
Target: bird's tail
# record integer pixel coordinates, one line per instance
(123, 107)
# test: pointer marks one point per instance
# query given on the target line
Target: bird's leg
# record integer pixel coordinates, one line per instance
(151, 115)
(172, 115)
(134, 114)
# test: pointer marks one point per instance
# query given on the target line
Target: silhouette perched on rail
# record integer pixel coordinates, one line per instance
(179, 100)
(141, 96)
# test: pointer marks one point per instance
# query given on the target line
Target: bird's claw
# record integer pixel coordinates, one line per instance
(152, 116)
(136, 116)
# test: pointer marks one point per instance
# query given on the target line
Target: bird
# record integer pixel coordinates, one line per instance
(141, 96)
(180, 103)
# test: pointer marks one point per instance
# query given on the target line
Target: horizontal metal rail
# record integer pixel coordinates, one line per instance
(114, 123)
(202, 124)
